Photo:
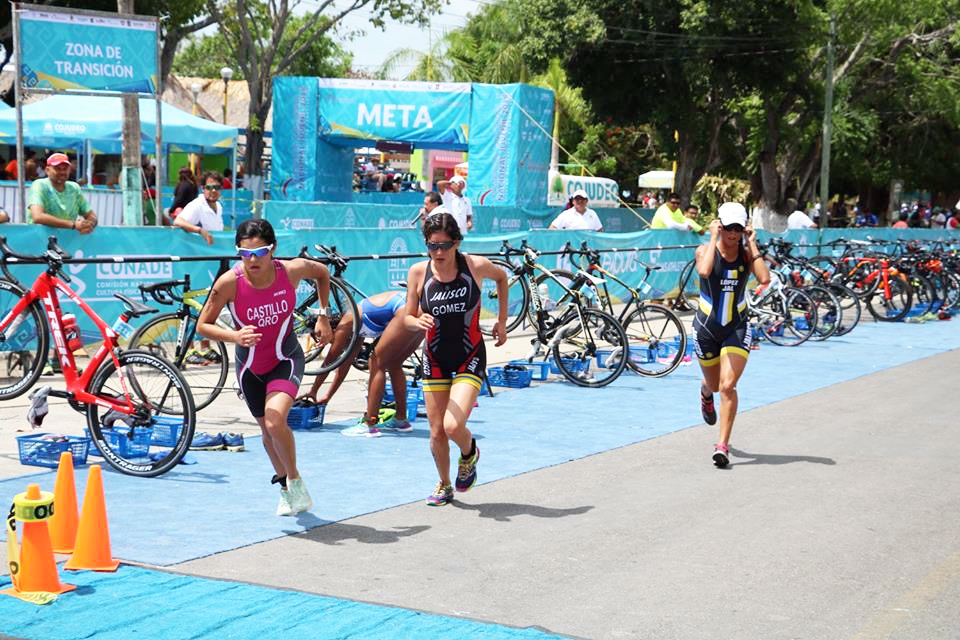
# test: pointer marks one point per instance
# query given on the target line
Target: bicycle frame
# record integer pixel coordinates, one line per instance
(45, 289)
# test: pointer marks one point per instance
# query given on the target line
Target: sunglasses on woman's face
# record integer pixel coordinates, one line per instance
(437, 246)
(733, 227)
(259, 252)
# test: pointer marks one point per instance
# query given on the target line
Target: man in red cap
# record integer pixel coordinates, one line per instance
(57, 202)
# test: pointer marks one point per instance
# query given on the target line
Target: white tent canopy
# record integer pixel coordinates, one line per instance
(656, 180)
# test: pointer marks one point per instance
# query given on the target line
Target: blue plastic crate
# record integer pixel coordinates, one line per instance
(515, 378)
(540, 369)
(575, 365)
(166, 430)
(118, 437)
(42, 450)
(414, 399)
(306, 417)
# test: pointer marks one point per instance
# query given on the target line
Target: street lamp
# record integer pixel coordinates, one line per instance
(195, 89)
(226, 73)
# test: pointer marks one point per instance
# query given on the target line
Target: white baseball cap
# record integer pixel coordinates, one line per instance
(580, 193)
(732, 213)
(457, 180)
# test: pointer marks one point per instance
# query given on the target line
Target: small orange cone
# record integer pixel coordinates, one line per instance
(63, 522)
(92, 549)
(35, 572)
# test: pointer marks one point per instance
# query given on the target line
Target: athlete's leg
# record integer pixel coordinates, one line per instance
(338, 377)
(278, 467)
(436, 401)
(462, 398)
(395, 345)
(279, 435)
(341, 337)
(731, 368)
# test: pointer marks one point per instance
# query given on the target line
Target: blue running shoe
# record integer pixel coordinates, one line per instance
(206, 442)
(467, 473)
(442, 495)
(233, 441)
(400, 426)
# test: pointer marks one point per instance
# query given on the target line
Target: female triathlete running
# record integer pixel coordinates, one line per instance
(261, 295)
(381, 319)
(443, 298)
(722, 339)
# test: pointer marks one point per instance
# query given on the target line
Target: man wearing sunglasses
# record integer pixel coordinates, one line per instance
(579, 216)
(670, 216)
(204, 213)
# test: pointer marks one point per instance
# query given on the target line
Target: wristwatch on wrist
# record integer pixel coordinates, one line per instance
(323, 312)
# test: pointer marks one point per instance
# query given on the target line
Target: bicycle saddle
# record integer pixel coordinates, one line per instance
(134, 308)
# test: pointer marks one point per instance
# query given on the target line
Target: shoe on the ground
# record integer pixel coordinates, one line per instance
(206, 442)
(721, 455)
(284, 508)
(401, 426)
(442, 495)
(233, 441)
(362, 429)
(194, 357)
(211, 356)
(299, 497)
(47, 370)
(707, 408)
(467, 473)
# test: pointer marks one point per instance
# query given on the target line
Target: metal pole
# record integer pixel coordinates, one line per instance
(159, 175)
(130, 172)
(19, 214)
(827, 126)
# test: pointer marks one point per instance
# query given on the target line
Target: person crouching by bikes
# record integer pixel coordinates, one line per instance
(722, 336)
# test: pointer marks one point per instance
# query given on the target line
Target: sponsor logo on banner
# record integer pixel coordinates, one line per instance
(510, 224)
(297, 224)
(397, 268)
(350, 219)
(126, 277)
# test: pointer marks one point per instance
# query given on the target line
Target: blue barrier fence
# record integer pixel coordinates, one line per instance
(392, 248)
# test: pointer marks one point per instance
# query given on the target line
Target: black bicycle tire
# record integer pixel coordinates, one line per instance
(43, 334)
(335, 285)
(683, 299)
(821, 331)
(924, 293)
(773, 338)
(573, 376)
(902, 280)
(207, 400)
(844, 292)
(634, 316)
(523, 309)
(185, 435)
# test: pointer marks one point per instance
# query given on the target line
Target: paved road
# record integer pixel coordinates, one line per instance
(838, 519)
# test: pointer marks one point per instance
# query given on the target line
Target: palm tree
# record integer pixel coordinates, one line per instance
(568, 102)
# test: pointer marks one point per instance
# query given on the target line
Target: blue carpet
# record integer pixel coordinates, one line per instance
(225, 501)
(153, 605)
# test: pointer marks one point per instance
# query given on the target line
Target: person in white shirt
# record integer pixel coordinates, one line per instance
(204, 213)
(456, 203)
(799, 220)
(579, 217)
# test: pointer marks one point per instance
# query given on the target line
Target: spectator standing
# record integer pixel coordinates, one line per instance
(185, 192)
(902, 222)
(205, 213)
(456, 203)
(669, 216)
(228, 178)
(938, 220)
(579, 217)
(800, 220)
(11, 168)
(432, 203)
(57, 202)
(953, 223)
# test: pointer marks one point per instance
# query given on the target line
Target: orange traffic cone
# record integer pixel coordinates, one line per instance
(63, 522)
(92, 549)
(35, 573)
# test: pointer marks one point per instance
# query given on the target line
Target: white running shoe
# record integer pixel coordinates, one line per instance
(299, 498)
(285, 508)
(362, 429)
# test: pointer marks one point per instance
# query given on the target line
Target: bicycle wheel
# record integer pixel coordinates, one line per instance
(894, 307)
(205, 371)
(657, 340)
(551, 292)
(518, 300)
(688, 289)
(318, 359)
(850, 308)
(787, 318)
(23, 343)
(924, 294)
(156, 436)
(589, 347)
(951, 283)
(828, 312)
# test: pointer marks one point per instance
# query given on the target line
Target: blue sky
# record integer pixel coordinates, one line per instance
(369, 51)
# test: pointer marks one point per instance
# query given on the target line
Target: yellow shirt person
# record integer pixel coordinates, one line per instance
(669, 216)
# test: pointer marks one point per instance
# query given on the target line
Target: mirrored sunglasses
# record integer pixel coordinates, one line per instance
(259, 252)
(436, 246)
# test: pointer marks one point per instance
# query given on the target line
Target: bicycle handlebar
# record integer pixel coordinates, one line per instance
(163, 292)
